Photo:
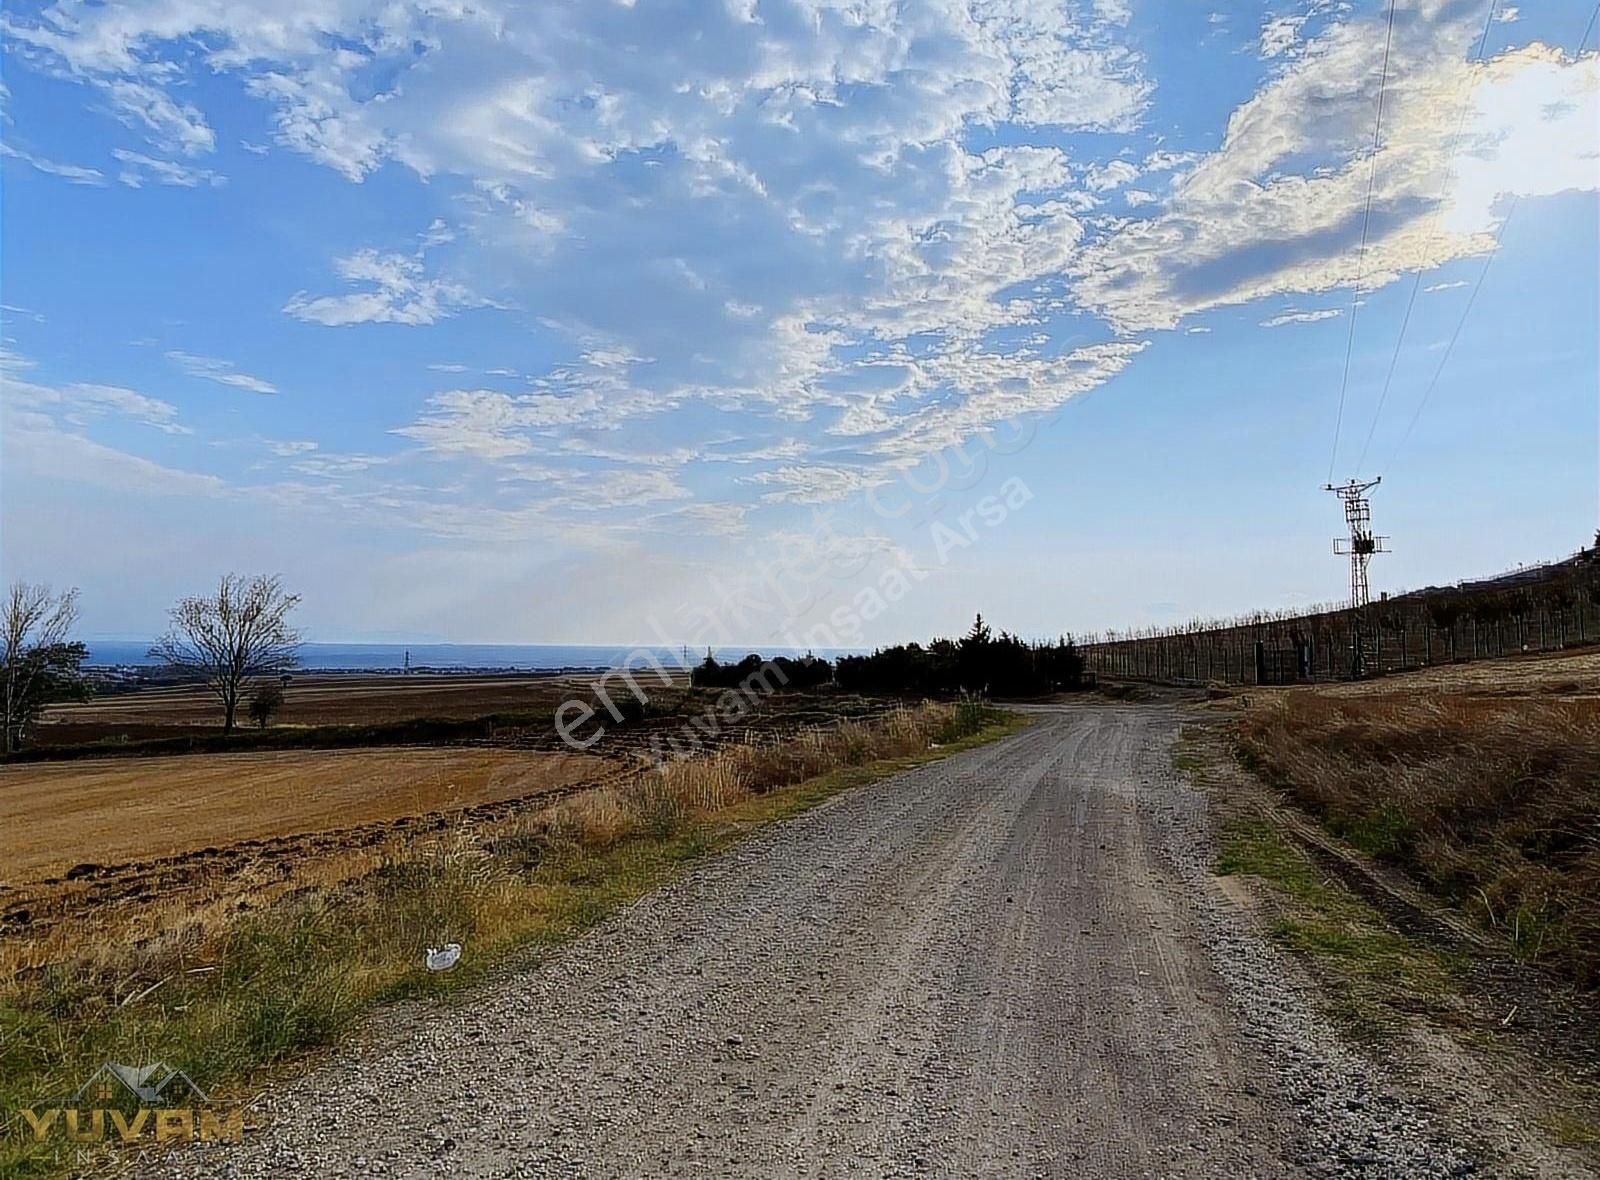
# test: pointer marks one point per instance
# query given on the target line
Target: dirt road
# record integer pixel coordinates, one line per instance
(1012, 963)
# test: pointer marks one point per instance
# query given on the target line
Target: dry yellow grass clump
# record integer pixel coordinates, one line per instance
(1493, 802)
(670, 794)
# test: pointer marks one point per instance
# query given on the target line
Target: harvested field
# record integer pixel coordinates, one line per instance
(508, 714)
(110, 811)
(316, 700)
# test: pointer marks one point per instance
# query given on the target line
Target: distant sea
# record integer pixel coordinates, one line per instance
(462, 657)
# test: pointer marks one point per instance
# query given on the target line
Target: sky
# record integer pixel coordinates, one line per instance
(804, 323)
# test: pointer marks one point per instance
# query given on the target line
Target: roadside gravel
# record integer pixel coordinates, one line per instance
(1014, 962)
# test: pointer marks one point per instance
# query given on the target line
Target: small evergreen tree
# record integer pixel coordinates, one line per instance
(266, 698)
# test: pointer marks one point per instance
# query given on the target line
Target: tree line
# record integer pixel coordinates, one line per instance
(807, 672)
(980, 663)
(236, 641)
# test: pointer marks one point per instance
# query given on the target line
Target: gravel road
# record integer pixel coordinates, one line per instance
(1014, 962)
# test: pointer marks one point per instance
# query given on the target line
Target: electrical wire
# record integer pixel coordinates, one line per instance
(1361, 257)
(1456, 335)
(1466, 311)
(1433, 235)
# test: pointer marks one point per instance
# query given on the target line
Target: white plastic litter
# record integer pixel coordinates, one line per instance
(442, 958)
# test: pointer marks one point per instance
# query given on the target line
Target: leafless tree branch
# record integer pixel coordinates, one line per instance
(229, 638)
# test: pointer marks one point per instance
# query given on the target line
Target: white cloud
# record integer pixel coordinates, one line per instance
(1507, 14)
(137, 168)
(780, 222)
(1281, 35)
(171, 125)
(1301, 317)
(222, 372)
(815, 484)
(1278, 208)
(45, 451)
(115, 399)
(437, 234)
(620, 489)
(488, 424)
(79, 402)
(1451, 286)
(72, 173)
(45, 429)
(27, 313)
(1530, 133)
(1162, 160)
(331, 466)
(717, 519)
(765, 213)
(401, 294)
(1103, 177)
(481, 423)
(1116, 12)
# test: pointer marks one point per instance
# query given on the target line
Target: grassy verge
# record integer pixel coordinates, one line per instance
(1376, 973)
(1493, 804)
(1381, 980)
(225, 1001)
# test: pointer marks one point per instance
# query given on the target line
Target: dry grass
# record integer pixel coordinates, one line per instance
(223, 992)
(669, 795)
(1494, 803)
(1554, 674)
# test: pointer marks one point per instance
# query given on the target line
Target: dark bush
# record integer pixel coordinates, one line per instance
(979, 663)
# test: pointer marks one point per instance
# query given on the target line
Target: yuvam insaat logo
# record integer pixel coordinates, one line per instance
(136, 1102)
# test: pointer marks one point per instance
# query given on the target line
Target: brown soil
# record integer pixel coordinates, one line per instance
(54, 816)
(316, 700)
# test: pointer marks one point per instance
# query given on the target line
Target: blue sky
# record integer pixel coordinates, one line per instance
(808, 322)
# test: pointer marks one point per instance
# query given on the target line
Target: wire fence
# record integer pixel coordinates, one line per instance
(1541, 608)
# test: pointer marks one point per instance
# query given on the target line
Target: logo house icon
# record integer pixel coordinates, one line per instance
(152, 1085)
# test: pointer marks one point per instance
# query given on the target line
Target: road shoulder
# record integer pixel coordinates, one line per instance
(1504, 1058)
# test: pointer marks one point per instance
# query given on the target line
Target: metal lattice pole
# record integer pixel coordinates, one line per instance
(1360, 545)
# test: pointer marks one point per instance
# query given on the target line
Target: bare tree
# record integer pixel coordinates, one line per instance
(39, 664)
(232, 637)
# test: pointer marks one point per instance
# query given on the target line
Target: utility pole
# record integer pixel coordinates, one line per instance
(1360, 545)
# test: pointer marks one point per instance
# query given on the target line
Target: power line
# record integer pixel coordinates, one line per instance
(1466, 311)
(1433, 232)
(1578, 52)
(1361, 257)
(1456, 335)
